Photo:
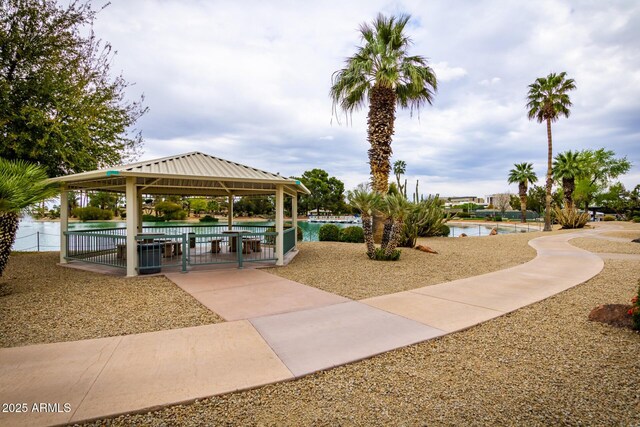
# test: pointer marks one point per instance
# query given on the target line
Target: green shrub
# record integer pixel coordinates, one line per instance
(352, 235)
(498, 218)
(299, 235)
(463, 215)
(444, 230)
(570, 218)
(636, 219)
(91, 213)
(379, 255)
(208, 218)
(152, 218)
(170, 210)
(609, 218)
(329, 233)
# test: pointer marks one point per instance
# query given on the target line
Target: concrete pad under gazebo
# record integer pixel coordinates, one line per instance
(190, 174)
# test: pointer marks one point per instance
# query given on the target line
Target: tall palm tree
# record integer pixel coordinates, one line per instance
(22, 184)
(366, 202)
(382, 74)
(523, 175)
(568, 167)
(547, 101)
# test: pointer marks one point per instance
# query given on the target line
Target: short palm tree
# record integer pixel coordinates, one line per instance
(382, 74)
(366, 202)
(22, 184)
(568, 167)
(396, 209)
(547, 101)
(523, 175)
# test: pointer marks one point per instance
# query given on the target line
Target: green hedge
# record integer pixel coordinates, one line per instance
(91, 213)
(352, 235)
(208, 218)
(329, 233)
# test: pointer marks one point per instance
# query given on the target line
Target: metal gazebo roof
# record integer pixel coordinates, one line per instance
(186, 174)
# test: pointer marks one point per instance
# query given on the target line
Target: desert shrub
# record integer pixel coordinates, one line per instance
(498, 218)
(425, 219)
(329, 233)
(170, 210)
(91, 213)
(634, 311)
(636, 219)
(208, 218)
(379, 255)
(352, 235)
(152, 218)
(609, 218)
(444, 230)
(463, 215)
(570, 218)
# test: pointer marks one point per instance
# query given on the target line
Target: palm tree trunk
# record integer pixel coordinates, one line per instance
(396, 231)
(380, 121)
(547, 212)
(522, 187)
(568, 185)
(387, 233)
(8, 229)
(368, 235)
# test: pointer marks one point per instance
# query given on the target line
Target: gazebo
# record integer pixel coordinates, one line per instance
(190, 174)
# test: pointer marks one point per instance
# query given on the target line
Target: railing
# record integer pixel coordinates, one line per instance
(97, 248)
(289, 239)
(485, 229)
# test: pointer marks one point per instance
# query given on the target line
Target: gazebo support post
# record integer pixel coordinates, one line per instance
(280, 224)
(64, 223)
(294, 218)
(139, 207)
(132, 225)
(230, 212)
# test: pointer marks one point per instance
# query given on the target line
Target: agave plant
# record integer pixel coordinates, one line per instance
(571, 218)
(425, 219)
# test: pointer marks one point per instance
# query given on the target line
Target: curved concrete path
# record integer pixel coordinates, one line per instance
(283, 330)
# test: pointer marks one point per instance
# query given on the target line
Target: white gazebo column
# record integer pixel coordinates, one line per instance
(280, 224)
(132, 225)
(294, 218)
(139, 207)
(64, 223)
(230, 212)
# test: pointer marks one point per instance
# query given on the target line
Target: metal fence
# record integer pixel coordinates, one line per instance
(500, 227)
(178, 246)
(39, 241)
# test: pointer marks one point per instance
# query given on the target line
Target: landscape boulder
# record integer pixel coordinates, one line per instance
(493, 232)
(463, 235)
(426, 249)
(612, 314)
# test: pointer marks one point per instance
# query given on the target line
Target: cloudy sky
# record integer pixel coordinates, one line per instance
(248, 81)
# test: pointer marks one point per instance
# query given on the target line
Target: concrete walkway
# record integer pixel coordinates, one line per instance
(280, 330)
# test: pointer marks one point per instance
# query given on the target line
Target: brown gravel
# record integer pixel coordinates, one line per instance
(41, 302)
(542, 365)
(599, 245)
(626, 234)
(344, 269)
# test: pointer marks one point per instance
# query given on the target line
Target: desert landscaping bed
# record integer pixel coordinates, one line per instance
(545, 364)
(41, 302)
(606, 246)
(344, 269)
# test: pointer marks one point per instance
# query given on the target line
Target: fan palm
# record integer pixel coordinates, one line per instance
(396, 209)
(547, 101)
(22, 184)
(567, 167)
(366, 202)
(382, 74)
(523, 175)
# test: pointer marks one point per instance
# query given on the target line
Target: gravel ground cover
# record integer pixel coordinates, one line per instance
(542, 365)
(627, 234)
(344, 269)
(41, 302)
(599, 245)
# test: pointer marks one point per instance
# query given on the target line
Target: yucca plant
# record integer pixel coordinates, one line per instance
(425, 219)
(571, 218)
(22, 184)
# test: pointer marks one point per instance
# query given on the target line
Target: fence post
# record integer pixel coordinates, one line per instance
(38, 240)
(239, 248)
(479, 230)
(185, 248)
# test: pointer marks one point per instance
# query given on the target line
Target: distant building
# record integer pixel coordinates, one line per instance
(492, 199)
(461, 200)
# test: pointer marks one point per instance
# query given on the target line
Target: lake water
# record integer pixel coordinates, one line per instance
(45, 235)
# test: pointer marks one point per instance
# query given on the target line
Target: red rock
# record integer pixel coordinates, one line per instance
(612, 314)
(426, 249)
(463, 235)
(493, 232)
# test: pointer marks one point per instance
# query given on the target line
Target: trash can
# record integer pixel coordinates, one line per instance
(149, 255)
